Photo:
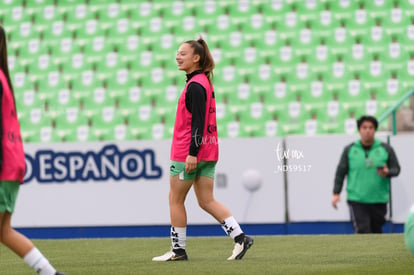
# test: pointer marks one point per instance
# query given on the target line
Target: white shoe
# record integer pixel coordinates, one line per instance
(170, 256)
(241, 248)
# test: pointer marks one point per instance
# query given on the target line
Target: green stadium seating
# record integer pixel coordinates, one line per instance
(294, 62)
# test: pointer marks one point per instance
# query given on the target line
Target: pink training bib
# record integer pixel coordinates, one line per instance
(182, 127)
(13, 166)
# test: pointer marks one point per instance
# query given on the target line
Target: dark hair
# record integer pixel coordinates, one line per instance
(206, 62)
(4, 66)
(371, 119)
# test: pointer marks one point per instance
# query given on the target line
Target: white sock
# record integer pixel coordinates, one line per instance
(178, 237)
(35, 259)
(231, 227)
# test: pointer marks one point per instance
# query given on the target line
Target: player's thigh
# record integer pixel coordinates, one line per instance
(179, 188)
(204, 182)
(203, 189)
(5, 223)
(180, 181)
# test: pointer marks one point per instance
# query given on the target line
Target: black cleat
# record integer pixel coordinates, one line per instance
(171, 256)
(241, 248)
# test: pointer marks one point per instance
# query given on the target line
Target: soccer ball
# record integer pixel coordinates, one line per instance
(252, 180)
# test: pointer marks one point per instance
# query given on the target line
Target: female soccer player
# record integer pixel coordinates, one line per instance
(194, 153)
(12, 169)
(409, 230)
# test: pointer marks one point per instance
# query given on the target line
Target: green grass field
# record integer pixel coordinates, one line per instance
(311, 254)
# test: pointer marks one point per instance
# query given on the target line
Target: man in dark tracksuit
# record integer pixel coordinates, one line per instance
(368, 164)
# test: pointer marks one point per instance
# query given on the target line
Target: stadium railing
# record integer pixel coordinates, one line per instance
(393, 111)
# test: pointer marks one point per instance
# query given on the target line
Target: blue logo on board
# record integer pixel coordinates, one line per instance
(48, 166)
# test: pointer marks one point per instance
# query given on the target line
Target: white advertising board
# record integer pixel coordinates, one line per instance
(108, 184)
(127, 183)
(402, 187)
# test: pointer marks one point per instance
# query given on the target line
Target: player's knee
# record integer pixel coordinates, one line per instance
(206, 205)
(176, 198)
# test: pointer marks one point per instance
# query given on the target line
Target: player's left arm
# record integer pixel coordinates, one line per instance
(393, 166)
(196, 104)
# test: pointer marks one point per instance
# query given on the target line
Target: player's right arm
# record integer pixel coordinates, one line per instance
(341, 172)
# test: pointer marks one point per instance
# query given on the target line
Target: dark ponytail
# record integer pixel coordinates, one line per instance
(206, 62)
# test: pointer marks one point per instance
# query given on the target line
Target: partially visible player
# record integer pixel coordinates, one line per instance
(409, 231)
(194, 153)
(12, 169)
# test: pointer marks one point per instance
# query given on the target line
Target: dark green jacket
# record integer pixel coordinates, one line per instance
(363, 183)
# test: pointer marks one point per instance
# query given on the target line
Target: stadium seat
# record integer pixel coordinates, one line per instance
(231, 130)
(269, 42)
(392, 90)
(95, 49)
(54, 32)
(91, 28)
(104, 121)
(78, 15)
(14, 65)
(344, 8)
(109, 16)
(379, 9)
(306, 38)
(67, 122)
(407, 7)
(120, 30)
(129, 46)
(406, 73)
(62, 99)
(132, 100)
(141, 122)
(263, 79)
(313, 124)
(286, 59)
(7, 6)
(268, 53)
(21, 80)
(377, 38)
(45, 16)
(325, 18)
(80, 133)
(253, 121)
(84, 85)
(224, 80)
(396, 20)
